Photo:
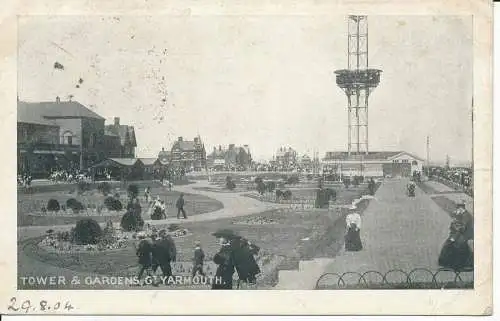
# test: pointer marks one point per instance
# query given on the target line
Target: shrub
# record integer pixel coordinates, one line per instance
(271, 186)
(53, 205)
(133, 191)
(279, 194)
(87, 231)
(230, 185)
(74, 204)
(347, 182)
(261, 187)
(104, 188)
(331, 193)
(83, 186)
(258, 180)
(287, 195)
(132, 220)
(309, 177)
(113, 204)
(293, 180)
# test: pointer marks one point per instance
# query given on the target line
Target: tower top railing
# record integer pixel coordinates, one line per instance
(363, 77)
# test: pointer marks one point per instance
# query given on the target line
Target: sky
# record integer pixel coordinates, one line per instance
(265, 81)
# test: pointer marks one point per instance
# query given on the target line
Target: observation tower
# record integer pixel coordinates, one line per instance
(357, 81)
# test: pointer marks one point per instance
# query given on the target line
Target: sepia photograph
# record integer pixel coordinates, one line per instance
(253, 153)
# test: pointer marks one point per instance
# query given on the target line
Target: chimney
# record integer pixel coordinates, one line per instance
(196, 140)
(58, 100)
(117, 121)
(179, 139)
(163, 149)
(215, 148)
(220, 148)
(231, 146)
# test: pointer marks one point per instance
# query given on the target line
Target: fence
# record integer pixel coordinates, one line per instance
(419, 278)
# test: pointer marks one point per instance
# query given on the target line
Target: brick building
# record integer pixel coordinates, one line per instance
(60, 134)
(189, 155)
(126, 135)
(232, 158)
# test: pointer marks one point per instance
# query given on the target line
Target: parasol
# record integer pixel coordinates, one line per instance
(226, 233)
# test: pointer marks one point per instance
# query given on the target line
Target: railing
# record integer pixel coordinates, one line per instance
(419, 278)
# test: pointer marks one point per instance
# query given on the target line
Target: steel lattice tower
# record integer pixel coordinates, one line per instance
(357, 82)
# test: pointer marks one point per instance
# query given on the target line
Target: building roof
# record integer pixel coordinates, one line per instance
(148, 161)
(123, 131)
(125, 161)
(43, 112)
(185, 145)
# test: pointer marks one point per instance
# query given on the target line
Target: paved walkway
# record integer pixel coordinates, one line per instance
(235, 204)
(398, 232)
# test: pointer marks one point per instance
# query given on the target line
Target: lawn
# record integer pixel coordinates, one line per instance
(29, 206)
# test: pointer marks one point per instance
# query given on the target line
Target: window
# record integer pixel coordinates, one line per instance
(414, 163)
(67, 138)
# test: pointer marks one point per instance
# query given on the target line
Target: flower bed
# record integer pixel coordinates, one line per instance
(258, 220)
(113, 239)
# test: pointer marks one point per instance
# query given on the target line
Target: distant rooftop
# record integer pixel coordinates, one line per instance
(43, 112)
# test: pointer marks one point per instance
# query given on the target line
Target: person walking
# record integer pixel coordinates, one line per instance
(145, 254)
(352, 236)
(164, 252)
(199, 257)
(180, 206)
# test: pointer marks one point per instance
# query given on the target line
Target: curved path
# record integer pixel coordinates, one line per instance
(235, 204)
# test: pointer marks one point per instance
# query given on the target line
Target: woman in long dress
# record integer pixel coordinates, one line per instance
(352, 236)
(456, 253)
(225, 266)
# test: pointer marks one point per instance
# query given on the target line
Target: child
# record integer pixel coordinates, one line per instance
(199, 256)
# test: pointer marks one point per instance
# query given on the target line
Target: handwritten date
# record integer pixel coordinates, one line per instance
(27, 306)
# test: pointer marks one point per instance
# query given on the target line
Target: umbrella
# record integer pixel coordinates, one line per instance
(226, 233)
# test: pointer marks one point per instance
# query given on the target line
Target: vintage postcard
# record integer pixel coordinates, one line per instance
(315, 158)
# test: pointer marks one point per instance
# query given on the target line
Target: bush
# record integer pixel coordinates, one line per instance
(258, 180)
(287, 195)
(74, 204)
(271, 186)
(53, 205)
(230, 185)
(347, 182)
(261, 187)
(87, 231)
(104, 188)
(113, 204)
(331, 194)
(133, 191)
(293, 180)
(83, 186)
(131, 222)
(309, 177)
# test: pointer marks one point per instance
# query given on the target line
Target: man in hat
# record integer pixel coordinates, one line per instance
(180, 206)
(225, 261)
(164, 252)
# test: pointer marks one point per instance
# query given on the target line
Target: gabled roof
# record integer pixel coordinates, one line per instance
(124, 131)
(405, 153)
(185, 145)
(125, 161)
(43, 112)
(148, 161)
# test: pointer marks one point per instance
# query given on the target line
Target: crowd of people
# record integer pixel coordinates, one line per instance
(458, 177)
(69, 176)
(236, 254)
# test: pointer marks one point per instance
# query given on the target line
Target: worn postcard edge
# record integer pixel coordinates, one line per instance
(358, 302)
